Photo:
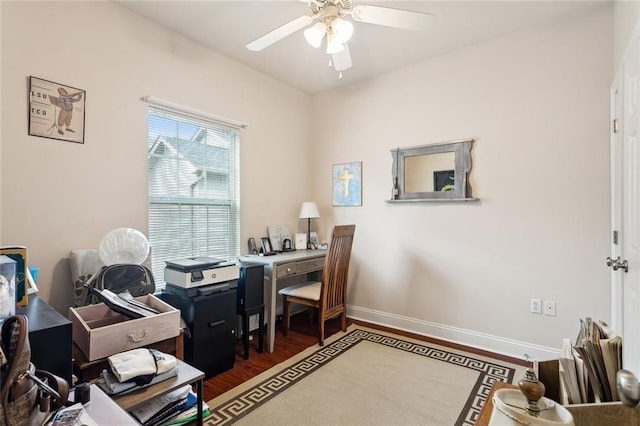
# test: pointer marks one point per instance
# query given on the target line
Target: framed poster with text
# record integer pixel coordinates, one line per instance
(56, 111)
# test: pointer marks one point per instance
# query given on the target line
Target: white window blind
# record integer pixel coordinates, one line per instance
(194, 193)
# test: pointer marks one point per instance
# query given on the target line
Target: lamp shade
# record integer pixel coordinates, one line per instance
(342, 30)
(315, 34)
(333, 45)
(309, 210)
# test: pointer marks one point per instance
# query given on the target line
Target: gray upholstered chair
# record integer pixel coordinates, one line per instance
(84, 263)
(328, 296)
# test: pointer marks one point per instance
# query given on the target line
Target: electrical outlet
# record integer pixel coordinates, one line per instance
(535, 305)
(549, 307)
(254, 322)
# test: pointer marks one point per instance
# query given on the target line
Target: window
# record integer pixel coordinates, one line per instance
(193, 173)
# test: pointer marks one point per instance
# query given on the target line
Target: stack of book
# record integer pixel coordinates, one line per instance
(588, 369)
(174, 408)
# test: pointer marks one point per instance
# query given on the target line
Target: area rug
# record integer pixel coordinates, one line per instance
(366, 376)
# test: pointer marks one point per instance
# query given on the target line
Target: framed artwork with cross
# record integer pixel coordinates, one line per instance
(347, 184)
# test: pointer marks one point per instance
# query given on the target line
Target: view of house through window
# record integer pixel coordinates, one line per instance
(193, 189)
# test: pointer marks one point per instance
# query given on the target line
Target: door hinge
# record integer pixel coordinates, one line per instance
(615, 125)
(615, 237)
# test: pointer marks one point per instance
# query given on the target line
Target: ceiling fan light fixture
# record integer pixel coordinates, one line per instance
(335, 18)
(342, 30)
(315, 34)
(333, 45)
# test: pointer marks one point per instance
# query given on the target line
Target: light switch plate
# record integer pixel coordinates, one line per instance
(549, 308)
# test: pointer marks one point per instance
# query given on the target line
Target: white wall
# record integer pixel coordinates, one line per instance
(57, 195)
(626, 15)
(536, 102)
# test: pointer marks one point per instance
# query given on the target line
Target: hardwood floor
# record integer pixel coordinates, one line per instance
(301, 335)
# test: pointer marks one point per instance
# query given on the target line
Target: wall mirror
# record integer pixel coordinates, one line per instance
(432, 172)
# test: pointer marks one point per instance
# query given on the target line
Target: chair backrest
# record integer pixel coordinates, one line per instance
(336, 268)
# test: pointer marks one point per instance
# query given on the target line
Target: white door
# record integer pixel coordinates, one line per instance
(617, 158)
(626, 285)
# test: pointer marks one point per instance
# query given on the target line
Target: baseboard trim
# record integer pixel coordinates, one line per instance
(483, 341)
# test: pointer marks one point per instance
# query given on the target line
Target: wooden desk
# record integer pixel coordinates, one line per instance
(282, 269)
(186, 375)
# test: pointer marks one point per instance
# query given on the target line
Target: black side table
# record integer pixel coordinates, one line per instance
(50, 337)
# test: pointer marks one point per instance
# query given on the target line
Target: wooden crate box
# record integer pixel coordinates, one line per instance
(100, 332)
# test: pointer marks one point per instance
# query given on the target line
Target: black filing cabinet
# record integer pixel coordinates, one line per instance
(50, 337)
(211, 320)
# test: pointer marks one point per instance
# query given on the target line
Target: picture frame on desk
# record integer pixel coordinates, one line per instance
(267, 250)
(253, 249)
(301, 241)
(277, 235)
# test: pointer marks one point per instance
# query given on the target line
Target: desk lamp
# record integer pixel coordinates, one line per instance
(309, 211)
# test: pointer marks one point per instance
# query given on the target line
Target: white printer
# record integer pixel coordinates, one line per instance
(199, 271)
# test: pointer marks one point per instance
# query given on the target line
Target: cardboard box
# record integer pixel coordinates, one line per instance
(591, 414)
(100, 332)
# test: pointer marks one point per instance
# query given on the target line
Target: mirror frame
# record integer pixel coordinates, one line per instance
(462, 169)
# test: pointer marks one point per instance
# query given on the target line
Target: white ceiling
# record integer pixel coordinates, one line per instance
(227, 26)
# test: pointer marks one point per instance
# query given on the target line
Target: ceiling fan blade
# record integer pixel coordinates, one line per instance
(342, 60)
(397, 18)
(279, 33)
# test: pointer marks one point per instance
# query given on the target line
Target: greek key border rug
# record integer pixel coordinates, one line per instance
(243, 400)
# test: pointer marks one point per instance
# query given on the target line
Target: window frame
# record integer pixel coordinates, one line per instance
(212, 199)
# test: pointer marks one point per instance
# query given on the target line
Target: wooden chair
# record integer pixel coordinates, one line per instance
(328, 296)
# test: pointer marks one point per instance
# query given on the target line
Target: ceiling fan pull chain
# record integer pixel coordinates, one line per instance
(330, 63)
(340, 76)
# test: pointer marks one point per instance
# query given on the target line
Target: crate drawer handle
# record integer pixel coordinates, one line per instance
(216, 323)
(132, 336)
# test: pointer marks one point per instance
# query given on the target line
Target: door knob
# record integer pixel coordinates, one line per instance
(624, 265)
(616, 264)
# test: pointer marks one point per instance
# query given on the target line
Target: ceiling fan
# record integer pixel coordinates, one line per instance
(330, 16)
